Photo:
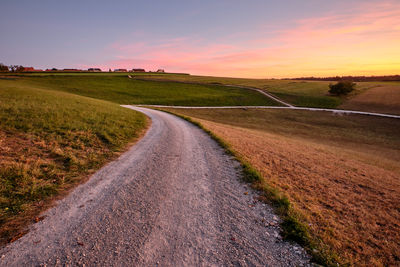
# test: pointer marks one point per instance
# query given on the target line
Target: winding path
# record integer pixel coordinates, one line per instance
(286, 104)
(335, 111)
(174, 199)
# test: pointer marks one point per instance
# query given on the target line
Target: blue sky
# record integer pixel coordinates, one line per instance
(189, 36)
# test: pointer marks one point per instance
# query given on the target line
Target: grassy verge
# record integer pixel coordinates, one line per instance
(51, 141)
(122, 90)
(293, 225)
(340, 174)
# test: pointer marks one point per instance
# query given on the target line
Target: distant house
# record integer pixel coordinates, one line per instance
(94, 69)
(28, 69)
(120, 70)
(53, 69)
(160, 70)
(138, 70)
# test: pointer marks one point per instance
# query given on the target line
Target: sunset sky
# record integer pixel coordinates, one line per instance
(254, 38)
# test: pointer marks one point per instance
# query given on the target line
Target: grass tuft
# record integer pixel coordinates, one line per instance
(251, 175)
(295, 230)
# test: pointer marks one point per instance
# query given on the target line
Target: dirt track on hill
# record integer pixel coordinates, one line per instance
(174, 199)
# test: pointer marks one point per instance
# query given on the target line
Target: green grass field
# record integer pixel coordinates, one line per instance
(190, 90)
(120, 89)
(51, 140)
(298, 93)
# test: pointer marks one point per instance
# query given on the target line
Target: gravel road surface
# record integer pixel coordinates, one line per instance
(174, 199)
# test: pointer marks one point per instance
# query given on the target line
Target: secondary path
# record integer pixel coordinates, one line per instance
(337, 111)
(174, 199)
(263, 93)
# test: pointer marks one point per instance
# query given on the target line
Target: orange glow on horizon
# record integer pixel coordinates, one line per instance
(363, 42)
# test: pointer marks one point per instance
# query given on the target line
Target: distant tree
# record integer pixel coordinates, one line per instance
(3, 68)
(341, 87)
(16, 68)
(20, 69)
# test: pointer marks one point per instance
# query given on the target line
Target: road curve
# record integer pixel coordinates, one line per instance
(174, 199)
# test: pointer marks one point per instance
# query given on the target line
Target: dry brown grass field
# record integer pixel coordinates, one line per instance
(341, 172)
(384, 98)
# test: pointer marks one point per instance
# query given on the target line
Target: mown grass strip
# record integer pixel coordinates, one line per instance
(293, 225)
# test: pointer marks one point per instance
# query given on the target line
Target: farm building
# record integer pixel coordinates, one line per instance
(94, 69)
(29, 69)
(120, 70)
(160, 70)
(138, 70)
(71, 70)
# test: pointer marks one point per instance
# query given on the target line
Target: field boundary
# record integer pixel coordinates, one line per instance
(335, 111)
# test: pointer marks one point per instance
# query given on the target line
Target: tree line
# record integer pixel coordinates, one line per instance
(11, 68)
(384, 78)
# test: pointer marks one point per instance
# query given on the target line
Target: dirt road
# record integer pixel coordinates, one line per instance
(174, 199)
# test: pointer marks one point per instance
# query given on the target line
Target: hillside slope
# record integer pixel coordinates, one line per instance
(50, 141)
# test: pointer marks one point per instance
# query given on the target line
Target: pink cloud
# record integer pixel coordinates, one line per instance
(354, 42)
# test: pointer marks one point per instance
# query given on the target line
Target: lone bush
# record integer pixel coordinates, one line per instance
(341, 87)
